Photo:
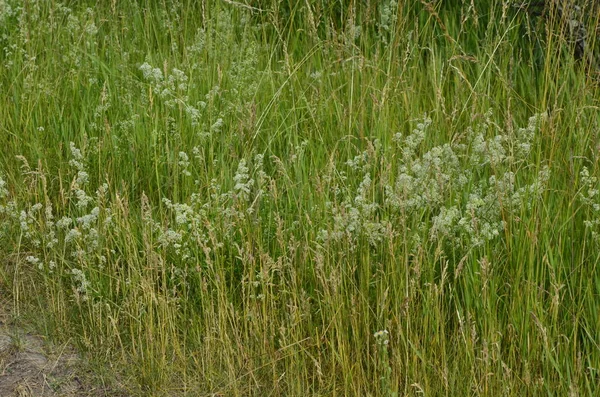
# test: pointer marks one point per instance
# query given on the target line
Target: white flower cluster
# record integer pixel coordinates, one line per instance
(589, 196)
(28, 220)
(184, 163)
(460, 192)
(39, 264)
(153, 75)
(524, 136)
(8, 209)
(197, 47)
(245, 75)
(32, 260)
(243, 182)
(408, 145)
(186, 233)
(82, 179)
(173, 91)
(50, 230)
(82, 234)
(449, 182)
(173, 88)
(356, 218)
(3, 189)
(388, 17)
(6, 11)
(382, 337)
(171, 237)
(193, 227)
(357, 215)
(82, 284)
(382, 340)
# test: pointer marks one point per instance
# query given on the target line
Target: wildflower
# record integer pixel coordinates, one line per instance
(91, 29)
(178, 77)
(77, 157)
(3, 189)
(217, 125)
(382, 337)
(64, 222)
(150, 73)
(524, 136)
(86, 221)
(48, 213)
(32, 260)
(72, 235)
(184, 162)
(444, 222)
(24, 221)
(242, 180)
(82, 199)
(316, 75)
(170, 237)
(82, 283)
(82, 178)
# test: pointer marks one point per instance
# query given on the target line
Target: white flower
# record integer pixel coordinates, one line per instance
(170, 237)
(75, 152)
(3, 189)
(32, 260)
(82, 178)
(150, 73)
(243, 183)
(184, 162)
(88, 220)
(82, 283)
(216, 127)
(82, 199)
(382, 337)
(72, 235)
(64, 222)
(444, 222)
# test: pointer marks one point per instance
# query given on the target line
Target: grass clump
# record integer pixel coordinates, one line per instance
(276, 198)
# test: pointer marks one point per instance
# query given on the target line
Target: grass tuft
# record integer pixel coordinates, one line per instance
(306, 198)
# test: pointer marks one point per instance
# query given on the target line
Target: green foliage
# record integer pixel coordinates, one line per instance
(292, 198)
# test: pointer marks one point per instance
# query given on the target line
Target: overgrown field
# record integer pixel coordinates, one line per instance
(282, 198)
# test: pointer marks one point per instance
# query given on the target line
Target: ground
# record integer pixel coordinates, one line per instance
(32, 366)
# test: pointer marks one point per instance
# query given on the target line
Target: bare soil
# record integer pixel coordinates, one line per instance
(31, 366)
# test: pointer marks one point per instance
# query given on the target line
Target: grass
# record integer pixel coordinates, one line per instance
(304, 198)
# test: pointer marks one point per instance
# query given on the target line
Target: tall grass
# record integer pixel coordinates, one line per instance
(304, 198)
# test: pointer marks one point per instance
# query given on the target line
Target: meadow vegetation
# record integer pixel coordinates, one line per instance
(304, 198)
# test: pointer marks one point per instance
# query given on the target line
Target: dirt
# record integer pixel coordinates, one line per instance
(31, 366)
